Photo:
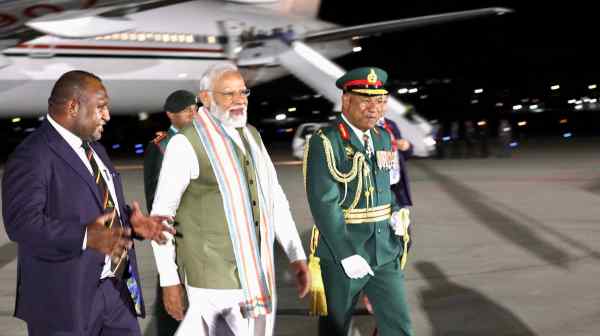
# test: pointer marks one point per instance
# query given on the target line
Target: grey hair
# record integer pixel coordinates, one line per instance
(214, 72)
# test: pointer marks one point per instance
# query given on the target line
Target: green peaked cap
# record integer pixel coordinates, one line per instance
(368, 81)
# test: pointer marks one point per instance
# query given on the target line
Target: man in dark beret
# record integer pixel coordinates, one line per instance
(180, 107)
(361, 227)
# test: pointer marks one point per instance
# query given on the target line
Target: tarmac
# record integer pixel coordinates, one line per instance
(502, 246)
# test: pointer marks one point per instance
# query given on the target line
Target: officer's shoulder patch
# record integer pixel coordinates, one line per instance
(344, 132)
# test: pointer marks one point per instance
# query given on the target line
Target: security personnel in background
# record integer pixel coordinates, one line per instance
(399, 175)
(360, 229)
(180, 107)
(504, 138)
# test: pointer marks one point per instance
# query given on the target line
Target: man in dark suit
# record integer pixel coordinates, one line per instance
(63, 204)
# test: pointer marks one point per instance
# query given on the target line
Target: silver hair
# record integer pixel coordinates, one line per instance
(214, 72)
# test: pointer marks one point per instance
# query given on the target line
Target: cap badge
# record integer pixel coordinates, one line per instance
(372, 77)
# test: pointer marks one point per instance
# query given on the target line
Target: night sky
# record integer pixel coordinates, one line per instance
(541, 42)
(515, 58)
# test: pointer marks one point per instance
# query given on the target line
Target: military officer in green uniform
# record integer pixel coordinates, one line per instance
(180, 107)
(361, 232)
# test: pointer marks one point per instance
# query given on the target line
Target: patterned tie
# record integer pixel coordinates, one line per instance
(367, 145)
(108, 204)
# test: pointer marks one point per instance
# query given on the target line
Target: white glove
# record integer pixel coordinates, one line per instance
(400, 221)
(356, 267)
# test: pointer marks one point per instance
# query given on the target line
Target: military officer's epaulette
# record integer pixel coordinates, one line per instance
(344, 133)
(160, 136)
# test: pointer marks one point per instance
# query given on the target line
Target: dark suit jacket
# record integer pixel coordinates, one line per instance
(401, 189)
(48, 197)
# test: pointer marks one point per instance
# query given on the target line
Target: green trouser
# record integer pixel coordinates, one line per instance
(385, 291)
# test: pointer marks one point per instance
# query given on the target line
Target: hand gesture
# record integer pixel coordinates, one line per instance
(149, 227)
(403, 144)
(113, 242)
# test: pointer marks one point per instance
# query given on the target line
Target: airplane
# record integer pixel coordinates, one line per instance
(144, 49)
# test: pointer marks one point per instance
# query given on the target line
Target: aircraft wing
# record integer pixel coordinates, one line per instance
(79, 23)
(369, 29)
(95, 21)
(317, 71)
(83, 23)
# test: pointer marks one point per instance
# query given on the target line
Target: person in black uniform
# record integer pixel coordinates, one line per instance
(180, 107)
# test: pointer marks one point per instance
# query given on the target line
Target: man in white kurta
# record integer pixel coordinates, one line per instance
(220, 134)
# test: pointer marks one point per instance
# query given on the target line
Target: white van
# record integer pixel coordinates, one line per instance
(302, 135)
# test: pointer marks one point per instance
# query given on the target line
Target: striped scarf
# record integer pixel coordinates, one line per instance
(255, 269)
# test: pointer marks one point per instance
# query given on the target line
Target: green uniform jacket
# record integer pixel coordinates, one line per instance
(153, 157)
(374, 241)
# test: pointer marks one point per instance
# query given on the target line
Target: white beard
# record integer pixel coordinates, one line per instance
(227, 119)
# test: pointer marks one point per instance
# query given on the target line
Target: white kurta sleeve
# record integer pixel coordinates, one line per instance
(179, 167)
(286, 232)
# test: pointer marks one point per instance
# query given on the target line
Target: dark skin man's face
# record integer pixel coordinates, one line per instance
(91, 111)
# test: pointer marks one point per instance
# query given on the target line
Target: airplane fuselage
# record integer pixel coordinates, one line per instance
(169, 49)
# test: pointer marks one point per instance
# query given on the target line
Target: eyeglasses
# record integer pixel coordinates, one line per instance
(230, 94)
(378, 100)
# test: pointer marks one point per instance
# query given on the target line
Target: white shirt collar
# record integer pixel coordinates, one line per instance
(357, 131)
(73, 140)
